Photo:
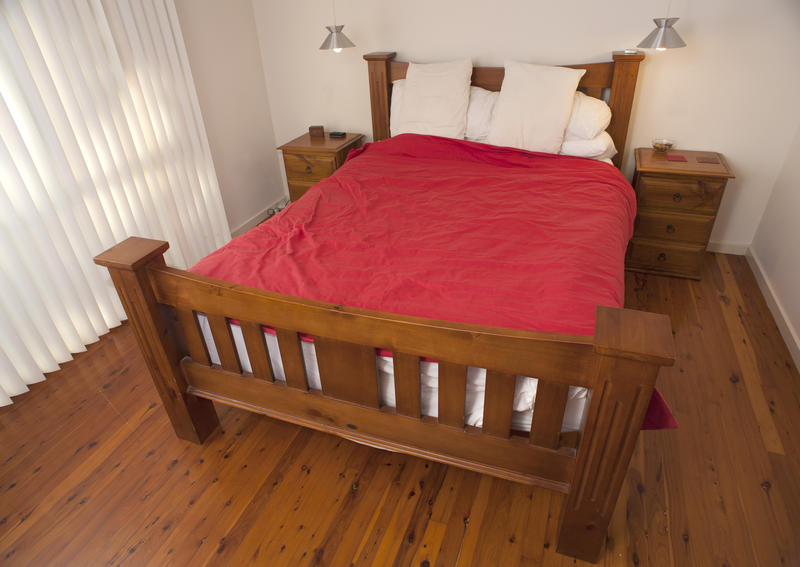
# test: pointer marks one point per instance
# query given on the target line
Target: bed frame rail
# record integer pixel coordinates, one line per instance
(620, 364)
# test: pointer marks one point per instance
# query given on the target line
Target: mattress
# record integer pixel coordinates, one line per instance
(524, 394)
(454, 231)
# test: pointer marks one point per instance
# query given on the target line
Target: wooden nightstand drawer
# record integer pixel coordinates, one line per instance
(298, 188)
(308, 167)
(674, 226)
(676, 259)
(695, 195)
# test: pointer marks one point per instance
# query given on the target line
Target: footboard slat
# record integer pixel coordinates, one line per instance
(347, 371)
(406, 384)
(452, 393)
(223, 340)
(498, 403)
(548, 413)
(257, 350)
(292, 359)
(192, 335)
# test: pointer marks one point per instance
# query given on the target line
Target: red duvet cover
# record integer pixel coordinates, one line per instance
(452, 230)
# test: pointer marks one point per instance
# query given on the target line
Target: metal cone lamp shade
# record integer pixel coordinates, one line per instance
(336, 39)
(663, 37)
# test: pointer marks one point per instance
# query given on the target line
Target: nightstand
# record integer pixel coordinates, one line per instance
(677, 203)
(308, 160)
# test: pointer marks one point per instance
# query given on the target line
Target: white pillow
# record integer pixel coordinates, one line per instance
(534, 106)
(600, 147)
(479, 113)
(590, 116)
(435, 99)
(398, 94)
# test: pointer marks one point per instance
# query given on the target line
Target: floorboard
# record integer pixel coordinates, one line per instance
(91, 474)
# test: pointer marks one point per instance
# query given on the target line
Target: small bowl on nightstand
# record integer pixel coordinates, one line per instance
(662, 144)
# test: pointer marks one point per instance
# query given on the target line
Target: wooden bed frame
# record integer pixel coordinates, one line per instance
(619, 364)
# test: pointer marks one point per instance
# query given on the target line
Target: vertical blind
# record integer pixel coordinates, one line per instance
(101, 138)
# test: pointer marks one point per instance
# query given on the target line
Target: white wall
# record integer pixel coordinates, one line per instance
(775, 252)
(732, 90)
(225, 57)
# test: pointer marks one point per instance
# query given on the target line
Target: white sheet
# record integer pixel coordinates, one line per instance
(524, 394)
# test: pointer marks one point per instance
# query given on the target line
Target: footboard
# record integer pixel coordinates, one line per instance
(619, 365)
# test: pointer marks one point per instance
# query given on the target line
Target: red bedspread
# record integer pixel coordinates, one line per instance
(451, 230)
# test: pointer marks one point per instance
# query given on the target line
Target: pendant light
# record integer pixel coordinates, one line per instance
(664, 36)
(336, 39)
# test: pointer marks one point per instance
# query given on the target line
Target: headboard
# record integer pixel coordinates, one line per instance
(618, 75)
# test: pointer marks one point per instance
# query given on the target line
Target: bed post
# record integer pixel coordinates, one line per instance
(192, 418)
(623, 85)
(631, 346)
(379, 83)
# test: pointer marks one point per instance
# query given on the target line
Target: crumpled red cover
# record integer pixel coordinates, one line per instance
(452, 230)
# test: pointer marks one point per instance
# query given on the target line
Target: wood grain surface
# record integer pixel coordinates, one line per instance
(91, 472)
(677, 204)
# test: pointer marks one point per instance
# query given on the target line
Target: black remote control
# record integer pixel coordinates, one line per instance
(337, 134)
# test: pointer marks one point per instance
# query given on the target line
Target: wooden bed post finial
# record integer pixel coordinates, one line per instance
(631, 346)
(379, 85)
(192, 418)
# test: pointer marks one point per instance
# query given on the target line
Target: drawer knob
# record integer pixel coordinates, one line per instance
(662, 257)
(677, 197)
(308, 169)
(670, 229)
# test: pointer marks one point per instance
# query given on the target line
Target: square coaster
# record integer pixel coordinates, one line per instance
(675, 157)
(707, 159)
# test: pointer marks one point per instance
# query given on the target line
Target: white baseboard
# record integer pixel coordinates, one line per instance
(790, 335)
(735, 248)
(255, 219)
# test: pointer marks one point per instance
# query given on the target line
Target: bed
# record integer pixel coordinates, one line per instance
(348, 364)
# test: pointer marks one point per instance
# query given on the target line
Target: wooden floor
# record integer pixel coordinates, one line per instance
(91, 473)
